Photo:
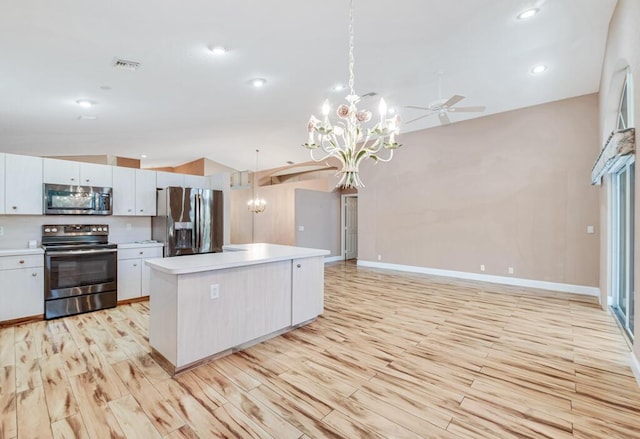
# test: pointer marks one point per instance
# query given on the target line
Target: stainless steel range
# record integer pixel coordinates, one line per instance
(80, 269)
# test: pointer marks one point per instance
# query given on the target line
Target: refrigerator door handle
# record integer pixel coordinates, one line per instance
(196, 225)
(201, 220)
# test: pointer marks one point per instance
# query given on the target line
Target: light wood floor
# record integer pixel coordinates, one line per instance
(394, 355)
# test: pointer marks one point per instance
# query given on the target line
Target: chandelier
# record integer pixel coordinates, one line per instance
(347, 140)
(256, 204)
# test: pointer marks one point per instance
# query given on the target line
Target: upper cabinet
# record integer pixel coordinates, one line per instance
(2, 185)
(75, 173)
(197, 181)
(134, 192)
(166, 179)
(23, 185)
(145, 192)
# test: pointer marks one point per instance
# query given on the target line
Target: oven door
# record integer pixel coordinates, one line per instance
(77, 272)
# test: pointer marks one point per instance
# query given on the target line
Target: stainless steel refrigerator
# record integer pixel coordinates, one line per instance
(189, 221)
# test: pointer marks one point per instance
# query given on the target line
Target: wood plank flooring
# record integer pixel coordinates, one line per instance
(394, 355)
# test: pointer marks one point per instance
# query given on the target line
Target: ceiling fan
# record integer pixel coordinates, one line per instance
(442, 107)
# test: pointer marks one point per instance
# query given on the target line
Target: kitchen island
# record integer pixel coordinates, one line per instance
(208, 305)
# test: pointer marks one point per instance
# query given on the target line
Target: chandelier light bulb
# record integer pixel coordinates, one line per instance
(382, 108)
(326, 108)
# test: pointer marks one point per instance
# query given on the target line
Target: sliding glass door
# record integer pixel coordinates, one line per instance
(622, 196)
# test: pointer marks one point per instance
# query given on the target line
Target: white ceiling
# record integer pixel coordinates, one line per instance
(185, 103)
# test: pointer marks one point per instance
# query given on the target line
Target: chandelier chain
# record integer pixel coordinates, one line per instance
(351, 57)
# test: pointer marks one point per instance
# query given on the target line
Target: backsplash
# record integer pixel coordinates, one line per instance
(19, 229)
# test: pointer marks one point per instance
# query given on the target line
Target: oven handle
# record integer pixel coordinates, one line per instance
(79, 252)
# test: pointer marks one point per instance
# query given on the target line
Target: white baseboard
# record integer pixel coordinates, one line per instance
(333, 259)
(635, 366)
(530, 283)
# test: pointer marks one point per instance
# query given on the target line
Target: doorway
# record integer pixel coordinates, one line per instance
(349, 226)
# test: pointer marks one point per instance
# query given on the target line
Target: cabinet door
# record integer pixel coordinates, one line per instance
(145, 192)
(94, 174)
(22, 293)
(23, 179)
(128, 279)
(1, 183)
(166, 179)
(124, 192)
(30, 298)
(197, 181)
(61, 172)
(307, 289)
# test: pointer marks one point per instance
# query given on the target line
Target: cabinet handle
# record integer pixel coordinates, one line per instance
(14, 207)
(141, 253)
(135, 265)
(22, 261)
(87, 180)
(128, 210)
(298, 265)
(141, 210)
(34, 274)
(73, 179)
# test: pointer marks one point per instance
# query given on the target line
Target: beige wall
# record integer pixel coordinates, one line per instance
(622, 50)
(507, 190)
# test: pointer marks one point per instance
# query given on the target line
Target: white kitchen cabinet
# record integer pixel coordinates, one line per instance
(166, 179)
(2, 185)
(197, 181)
(94, 174)
(145, 190)
(134, 192)
(22, 289)
(133, 274)
(68, 172)
(23, 185)
(124, 194)
(307, 289)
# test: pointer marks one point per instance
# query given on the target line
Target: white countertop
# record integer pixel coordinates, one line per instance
(235, 255)
(141, 244)
(20, 251)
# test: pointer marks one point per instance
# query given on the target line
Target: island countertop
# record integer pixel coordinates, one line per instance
(234, 255)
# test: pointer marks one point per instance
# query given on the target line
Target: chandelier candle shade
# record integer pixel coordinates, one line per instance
(347, 140)
(256, 204)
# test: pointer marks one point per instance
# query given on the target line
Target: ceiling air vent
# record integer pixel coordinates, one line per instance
(123, 64)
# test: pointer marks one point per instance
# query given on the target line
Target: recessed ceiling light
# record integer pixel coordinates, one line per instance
(84, 117)
(527, 13)
(105, 87)
(391, 111)
(144, 156)
(258, 82)
(338, 87)
(540, 68)
(84, 103)
(218, 50)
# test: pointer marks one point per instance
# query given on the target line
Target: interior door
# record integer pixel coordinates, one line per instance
(351, 227)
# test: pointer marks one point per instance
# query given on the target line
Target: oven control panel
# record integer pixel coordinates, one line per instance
(75, 229)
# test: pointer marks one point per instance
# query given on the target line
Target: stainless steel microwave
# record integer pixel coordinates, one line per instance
(77, 200)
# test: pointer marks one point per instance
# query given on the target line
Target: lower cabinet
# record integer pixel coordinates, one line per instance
(307, 289)
(21, 286)
(133, 273)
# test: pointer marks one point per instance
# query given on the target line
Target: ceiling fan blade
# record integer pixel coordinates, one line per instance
(444, 119)
(418, 118)
(479, 108)
(417, 108)
(452, 101)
